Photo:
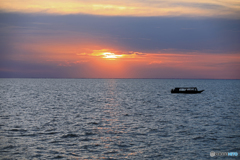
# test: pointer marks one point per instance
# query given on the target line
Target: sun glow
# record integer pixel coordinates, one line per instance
(110, 55)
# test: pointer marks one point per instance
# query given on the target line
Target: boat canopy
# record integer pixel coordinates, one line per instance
(186, 87)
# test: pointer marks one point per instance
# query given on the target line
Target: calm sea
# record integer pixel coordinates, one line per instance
(118, 119)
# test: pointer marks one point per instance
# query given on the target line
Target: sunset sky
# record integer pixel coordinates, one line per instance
(120, 39)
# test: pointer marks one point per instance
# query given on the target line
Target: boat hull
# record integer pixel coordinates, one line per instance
(187, 92)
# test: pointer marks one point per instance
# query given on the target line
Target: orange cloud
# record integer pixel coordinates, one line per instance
(126, 7)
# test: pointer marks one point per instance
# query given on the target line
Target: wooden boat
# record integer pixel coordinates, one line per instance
(188, 90)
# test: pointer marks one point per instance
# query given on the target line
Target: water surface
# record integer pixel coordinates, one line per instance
(117, 119)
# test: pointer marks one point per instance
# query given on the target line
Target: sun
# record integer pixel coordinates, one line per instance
(110, 55)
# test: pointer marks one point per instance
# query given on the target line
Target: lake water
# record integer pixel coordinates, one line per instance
(118, 119)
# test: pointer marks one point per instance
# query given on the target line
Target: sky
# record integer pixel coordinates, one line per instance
(120, 39)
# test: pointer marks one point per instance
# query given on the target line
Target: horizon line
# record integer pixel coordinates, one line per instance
(115, 78)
